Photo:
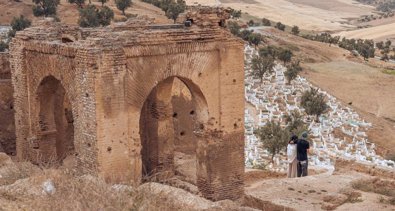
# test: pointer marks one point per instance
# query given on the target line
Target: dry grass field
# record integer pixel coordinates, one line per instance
(378, 33)
(318, 15)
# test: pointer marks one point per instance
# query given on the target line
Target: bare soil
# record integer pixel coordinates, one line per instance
(318, 192)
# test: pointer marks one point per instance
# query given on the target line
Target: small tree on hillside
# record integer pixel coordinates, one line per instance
(273, 138)
(295, 124)
(79, 3)
(235, 14)
(295, 30)
(292, 71)
(380, 45)
(268, 51)
(314, 103)
(333, 40)
(18, 24)
(251, 23)
(385, 57)
(388, 43)
(102, 2)
(105, 15)
(366, 50)
(164, 4)
(175, 9)
(245, 34)
(123, 5)
(90, 16)
(285, 55)
(266, 22)
(45, 7)
(255, 39)
(261, 65)
(234, 28)
(280, 26)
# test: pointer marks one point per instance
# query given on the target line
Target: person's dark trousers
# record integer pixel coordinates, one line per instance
(302, 168)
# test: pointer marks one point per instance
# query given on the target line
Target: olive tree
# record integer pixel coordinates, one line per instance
(273, 137)
(45, 7)
(123, 5)
(18, 24)
(314, 103)
(261, 65)
(175, 9)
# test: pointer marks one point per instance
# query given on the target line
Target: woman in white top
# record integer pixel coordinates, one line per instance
(291, 154)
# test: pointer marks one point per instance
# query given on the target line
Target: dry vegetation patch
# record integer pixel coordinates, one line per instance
(24, 186)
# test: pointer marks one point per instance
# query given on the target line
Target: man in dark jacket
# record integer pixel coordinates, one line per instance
(302, 148)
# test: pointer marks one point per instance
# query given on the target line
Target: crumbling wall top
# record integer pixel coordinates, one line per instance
(206, 24)
(207, 16)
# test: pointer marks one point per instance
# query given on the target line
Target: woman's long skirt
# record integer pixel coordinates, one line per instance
(293, 169)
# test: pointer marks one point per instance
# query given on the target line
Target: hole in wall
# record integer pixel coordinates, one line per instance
(109, 149)
(192, 112)
(182, 133)
(66, 40)
(175, 115)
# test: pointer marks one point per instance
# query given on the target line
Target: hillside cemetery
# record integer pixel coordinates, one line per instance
(340, 132)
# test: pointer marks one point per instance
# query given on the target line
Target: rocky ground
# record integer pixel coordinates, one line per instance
(24, 186)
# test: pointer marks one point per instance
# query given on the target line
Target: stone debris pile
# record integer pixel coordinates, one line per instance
(340, 133)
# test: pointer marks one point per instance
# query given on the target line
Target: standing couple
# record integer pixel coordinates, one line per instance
(297, 156)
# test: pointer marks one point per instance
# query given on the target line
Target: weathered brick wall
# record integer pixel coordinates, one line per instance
(109, 74)
(7, 124)
(220, 151)
(34, 63)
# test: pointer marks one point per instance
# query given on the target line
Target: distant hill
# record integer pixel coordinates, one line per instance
(68, 13)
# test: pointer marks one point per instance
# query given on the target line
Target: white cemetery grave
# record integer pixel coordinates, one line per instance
(272, 98)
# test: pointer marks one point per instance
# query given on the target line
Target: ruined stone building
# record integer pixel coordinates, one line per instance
(125, 99)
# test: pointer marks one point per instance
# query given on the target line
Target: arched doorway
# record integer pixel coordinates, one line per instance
(56, 129)
(171, 126)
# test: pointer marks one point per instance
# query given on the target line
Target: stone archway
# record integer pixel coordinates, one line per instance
(171, 124)
(55, 137)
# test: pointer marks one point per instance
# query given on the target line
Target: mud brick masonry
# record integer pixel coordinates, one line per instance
(106, 96)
